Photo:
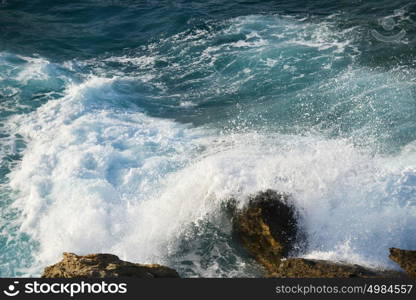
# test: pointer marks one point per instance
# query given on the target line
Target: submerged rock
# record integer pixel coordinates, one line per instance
(406, 259)
(311, 268)
(267, 227)
(104, 266)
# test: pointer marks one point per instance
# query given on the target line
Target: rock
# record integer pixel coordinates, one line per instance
(267, 227)
(311, 268)
(406, 259)
(104, 266)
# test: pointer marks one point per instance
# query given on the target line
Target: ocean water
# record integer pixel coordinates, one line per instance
(125, 126)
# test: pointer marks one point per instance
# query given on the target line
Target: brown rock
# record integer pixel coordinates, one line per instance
(104, 266)
(267, 227)
(406, 259)
(311, 268)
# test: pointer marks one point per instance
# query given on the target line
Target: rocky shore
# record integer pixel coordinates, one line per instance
(104, 266)
(267, 228)
(406, 259)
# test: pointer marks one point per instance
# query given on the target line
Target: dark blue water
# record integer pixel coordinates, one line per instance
(126, 125)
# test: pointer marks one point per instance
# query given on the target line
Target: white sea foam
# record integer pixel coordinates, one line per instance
(87, 168)
(92, 180)
(98, 175)
(187, 104)
(35, 70)
(142, 61)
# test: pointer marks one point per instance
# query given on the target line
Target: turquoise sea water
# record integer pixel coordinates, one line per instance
(126, 125)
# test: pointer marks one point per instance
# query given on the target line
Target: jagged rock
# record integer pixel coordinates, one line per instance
(267, 227)
(311, 268)
(104, 266)
(406, 259)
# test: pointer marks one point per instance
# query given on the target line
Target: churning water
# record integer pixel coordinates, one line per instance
(126, 125)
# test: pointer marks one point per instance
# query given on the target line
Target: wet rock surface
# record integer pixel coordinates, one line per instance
(104, 266)
(311, 268)
(406, 259)
(267, 227)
